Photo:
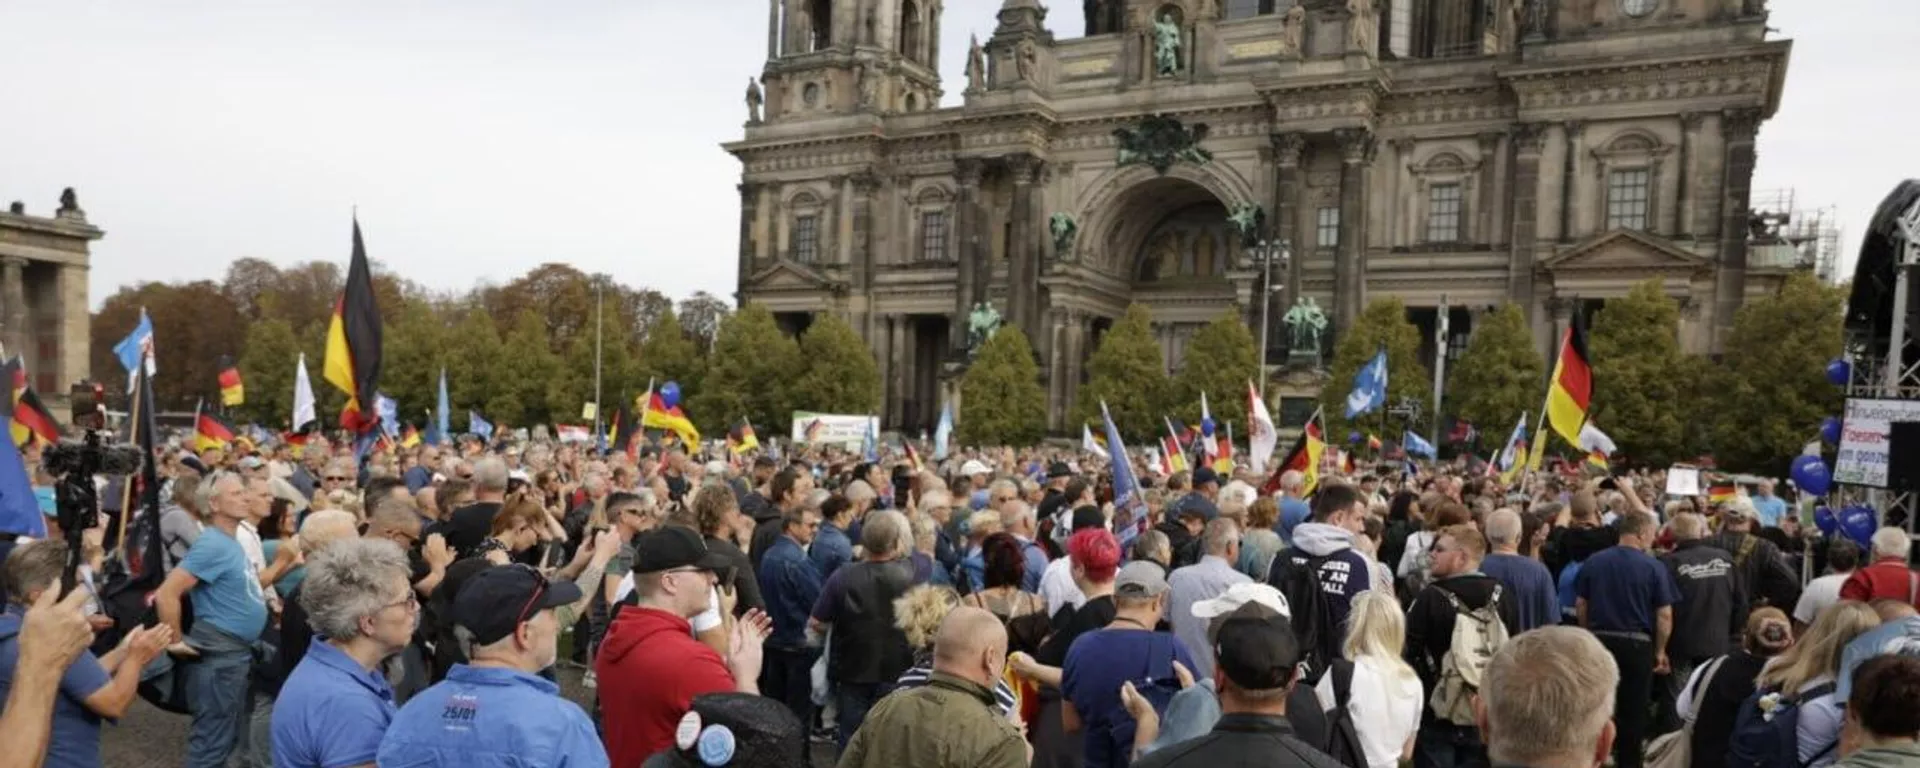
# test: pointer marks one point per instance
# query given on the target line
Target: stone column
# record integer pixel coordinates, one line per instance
(749, 213)
(13, 294)
(968, 254)
(1287, 151)
(1738, 127)
(1056, 368)
(899, 377)
(1349, 269)
(1023, 275)
(773, 29)
(1683, 195)
(862, 225)
(74, 316)
(1483, 232)
(1078, 325)
(1569, 175)
(1528, 140)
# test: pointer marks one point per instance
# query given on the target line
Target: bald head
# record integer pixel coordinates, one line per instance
(972, 644)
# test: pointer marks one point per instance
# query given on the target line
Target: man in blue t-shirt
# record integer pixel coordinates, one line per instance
(1625, 598)
(88, 692)
(1771, 508)
(1127, 650)
(229, 612)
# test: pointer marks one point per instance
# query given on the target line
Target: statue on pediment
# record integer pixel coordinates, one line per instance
(1307, 322)
(1296, 29)
(1064, 230)
(1166, 46)
(982, 323)
(976, 67)
(754, 99)
(1159, 141)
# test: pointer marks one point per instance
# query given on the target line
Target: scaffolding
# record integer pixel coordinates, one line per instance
(1782, 235)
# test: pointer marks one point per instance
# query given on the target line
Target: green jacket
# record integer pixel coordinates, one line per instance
(948, 723)
(1900, 756)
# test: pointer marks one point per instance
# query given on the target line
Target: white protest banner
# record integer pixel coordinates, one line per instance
(1864, 433)
(833, 428)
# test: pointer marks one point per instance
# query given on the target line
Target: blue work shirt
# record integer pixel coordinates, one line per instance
(488, 717)
(1535, 594)
(1036, 564)
(331, 712)
(228, 595)
(1624, 588)
(830, 549)
(76, 729)
(790, 582)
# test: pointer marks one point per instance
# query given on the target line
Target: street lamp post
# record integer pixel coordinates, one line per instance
(1267, 253)
(1440, 342)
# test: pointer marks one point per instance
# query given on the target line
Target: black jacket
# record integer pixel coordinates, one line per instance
(1241, 741)
(1761, 571)
(1711, 610)
(1185, 549)
(1566, 546)
(1430, 619)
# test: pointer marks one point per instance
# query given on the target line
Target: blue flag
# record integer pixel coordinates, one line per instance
(1416, 445)
(19, 510)
(134, 346)
(389, 412)
(1369, 387)
(479, 426)
(442, 413)
(870, 442)
(1126, 488)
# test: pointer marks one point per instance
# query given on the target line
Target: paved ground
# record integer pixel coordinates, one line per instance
(150, 738)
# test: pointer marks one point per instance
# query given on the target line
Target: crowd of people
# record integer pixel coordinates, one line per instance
(992, 609)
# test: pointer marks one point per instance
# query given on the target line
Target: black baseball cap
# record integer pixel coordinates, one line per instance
(495, 601)
(1059, 469)
(736, 730)
(670, 547)
(1088, 516)
(1256, 649)
(1205, 475)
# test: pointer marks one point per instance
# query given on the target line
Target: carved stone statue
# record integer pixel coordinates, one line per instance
(1296, 29)
(982, 322)
(1064, 229)
(1247, 220)
(976, 67)
(872, 27)
(1360, 24)
(1307, 323)
(69, 202)
(1024, 57)
(1166, 46)
(754, 100)
(869, 86)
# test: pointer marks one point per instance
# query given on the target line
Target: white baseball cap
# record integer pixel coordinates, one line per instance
(975, 467)
(1239, 595)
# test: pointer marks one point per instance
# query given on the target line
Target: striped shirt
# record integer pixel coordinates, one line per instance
(920, 674)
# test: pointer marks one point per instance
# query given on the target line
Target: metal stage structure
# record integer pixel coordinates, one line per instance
(1880, 323)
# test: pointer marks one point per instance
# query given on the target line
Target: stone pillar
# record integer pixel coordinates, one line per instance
(1078, 324)
(1023, 275)
(773, 29)
(1483, 232)
(1349, 269)
(13, 295)
(74, 318)
(1683, 195)
(862, 269)
(844, 232)
(1738, 127)
(969, 255)
(749, 213)
(1287, 150)
(1528, 140)
(1569, 175)
(899, 378)
(1056, 368)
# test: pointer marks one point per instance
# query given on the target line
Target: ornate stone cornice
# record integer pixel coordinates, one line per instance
(1743, 75)
(1740, 124)
(1022, 168)
(1287, 148)
(966, 170)
(1690, 121)
(1530, 138)
(1356, 144)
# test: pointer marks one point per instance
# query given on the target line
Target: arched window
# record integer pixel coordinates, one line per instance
(821, 14)
(909, 42)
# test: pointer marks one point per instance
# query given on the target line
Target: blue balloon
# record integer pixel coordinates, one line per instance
(1812, 475)
(1830, 430)
(1354, 437)
(670, 394)
(1858, 523)
(1824, 520)
(1839, 373)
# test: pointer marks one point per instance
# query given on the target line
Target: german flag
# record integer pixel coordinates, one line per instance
(1722, 491)
(409, 436)
(1304, 458)
(232, 392)
(656, 415)
(353, 342)
(741, 438)
(1570, 391)
(1374, 444)
(32, 422)
(913, 454)
(619, 432)
(211, 431)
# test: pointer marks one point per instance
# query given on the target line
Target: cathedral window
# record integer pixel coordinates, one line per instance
(806, 238)
(909, 42)
(1327, 227)
(821, 35)
(1628, 194)
(933, 236)
(1444, 212)
(1246, 9)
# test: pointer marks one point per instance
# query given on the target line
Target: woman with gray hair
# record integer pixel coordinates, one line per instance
(335, 706)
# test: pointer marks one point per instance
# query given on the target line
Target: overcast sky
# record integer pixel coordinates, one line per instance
(482, 137)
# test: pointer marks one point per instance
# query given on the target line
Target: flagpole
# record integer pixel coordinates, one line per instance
(599, 314)
(134, 413)
(1439, 373)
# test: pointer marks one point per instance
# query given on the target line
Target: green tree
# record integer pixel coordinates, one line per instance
(1382, 325)
(1499, 376)
(668, 354)
(473, 365)
(572, 384)
(1222, 359)
(752, 362)
(1001, 402)
(838, 373)
(267, 369)
(1638, 374)
(1771, 388)
(1128, 373)
(526, 366)
(413, 349)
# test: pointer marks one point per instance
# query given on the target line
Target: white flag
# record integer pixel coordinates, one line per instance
(302, 396)
(1592, 440)
(1086, 440)
(1261, 437)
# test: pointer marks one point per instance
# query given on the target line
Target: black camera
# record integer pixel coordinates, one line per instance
(77, 498)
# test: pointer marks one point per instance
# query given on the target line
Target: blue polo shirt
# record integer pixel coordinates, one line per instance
(331, 712)
(488, 717)
(228, 595)
(1624, 587)
(76, 729)
(1097, 663)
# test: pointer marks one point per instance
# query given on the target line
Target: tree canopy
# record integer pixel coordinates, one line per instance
(1222, 359)
(1639, 374)
(1127, 372)
(838, 373)
(1382, 325)
(1499, 376)
(1001, 401)
(1771, 380)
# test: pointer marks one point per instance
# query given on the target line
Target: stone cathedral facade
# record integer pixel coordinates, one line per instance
(1465, 153)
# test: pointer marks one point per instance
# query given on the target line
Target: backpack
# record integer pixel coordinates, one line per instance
(1311, 612)
(1329, 730)
(1771, 739)
(1421, 574)
(1477, 634)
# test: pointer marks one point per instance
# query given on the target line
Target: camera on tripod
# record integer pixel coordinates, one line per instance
(77, 496)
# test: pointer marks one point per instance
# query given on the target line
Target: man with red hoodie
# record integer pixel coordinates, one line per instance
(1889, 576)
(650, 665)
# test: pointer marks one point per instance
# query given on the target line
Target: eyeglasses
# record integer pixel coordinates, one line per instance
(333, 479)
(412, 602)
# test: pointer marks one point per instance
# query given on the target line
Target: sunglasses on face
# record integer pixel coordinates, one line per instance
(336, 479)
